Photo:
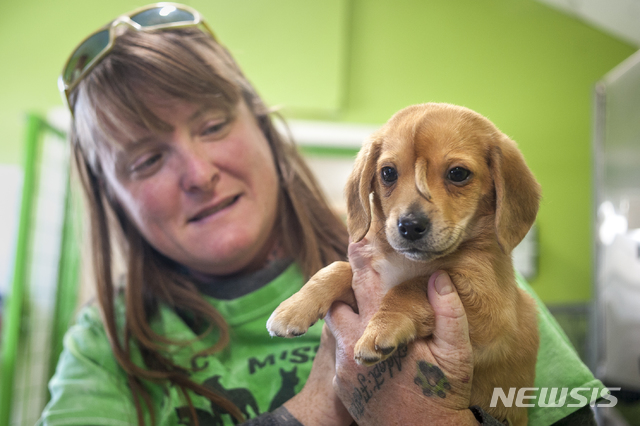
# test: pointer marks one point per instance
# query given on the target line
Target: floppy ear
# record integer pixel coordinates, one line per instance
(359, 186)
(517, 193)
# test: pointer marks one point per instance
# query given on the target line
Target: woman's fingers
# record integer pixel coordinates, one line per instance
(327, 349)
(340, 320)
(419, 376)
(346, 325)
(366, 281)
(451, 326)
(359, 254)
(450, 344)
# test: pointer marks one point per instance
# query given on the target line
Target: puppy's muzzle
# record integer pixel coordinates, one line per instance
(413, 227)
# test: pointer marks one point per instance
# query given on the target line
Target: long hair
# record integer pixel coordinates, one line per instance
(187, 65)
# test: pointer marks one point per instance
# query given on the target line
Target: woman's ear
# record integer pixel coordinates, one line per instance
(517, 193)
(359, 186)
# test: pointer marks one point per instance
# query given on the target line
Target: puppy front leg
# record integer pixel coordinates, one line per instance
(295, 315)
(404, 315)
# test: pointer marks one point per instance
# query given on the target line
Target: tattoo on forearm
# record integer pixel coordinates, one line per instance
(373, 380)
(432, 380)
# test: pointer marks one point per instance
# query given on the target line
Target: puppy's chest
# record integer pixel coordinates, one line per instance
(395, 269)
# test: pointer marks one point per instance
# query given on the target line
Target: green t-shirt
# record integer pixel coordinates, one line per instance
(257, 372)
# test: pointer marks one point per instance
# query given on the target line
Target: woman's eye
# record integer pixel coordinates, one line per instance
(146, 162)
(214, 128)
(389, 175)
(458, 174)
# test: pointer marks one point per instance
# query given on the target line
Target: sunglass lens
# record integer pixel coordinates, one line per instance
(84, 54)
(162, 15)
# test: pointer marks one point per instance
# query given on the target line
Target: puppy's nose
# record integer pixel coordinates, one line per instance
(413, 227)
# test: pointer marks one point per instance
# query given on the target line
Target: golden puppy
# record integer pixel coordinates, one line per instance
(438, 187)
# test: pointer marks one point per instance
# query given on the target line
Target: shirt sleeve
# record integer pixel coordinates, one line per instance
(88, 387)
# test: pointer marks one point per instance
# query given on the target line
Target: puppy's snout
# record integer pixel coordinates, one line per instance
(413, 227)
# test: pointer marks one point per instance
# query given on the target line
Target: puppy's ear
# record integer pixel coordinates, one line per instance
(359, 186)
(517, 193)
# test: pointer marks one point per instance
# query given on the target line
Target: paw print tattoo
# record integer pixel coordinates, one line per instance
(432, 380)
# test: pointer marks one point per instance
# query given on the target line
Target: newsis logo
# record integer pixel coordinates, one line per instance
(578, 397)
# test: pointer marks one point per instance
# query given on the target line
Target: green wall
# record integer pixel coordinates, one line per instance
(527, 67)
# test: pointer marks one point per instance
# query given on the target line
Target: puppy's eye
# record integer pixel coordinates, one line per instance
(458, 174)
(389, 175)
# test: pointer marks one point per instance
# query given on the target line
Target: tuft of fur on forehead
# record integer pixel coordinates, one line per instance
(452, 124)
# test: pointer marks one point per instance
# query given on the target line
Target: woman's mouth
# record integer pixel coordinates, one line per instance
(214, 209)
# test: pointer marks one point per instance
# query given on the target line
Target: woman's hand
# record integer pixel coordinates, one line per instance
(426, 382)
(317, 403)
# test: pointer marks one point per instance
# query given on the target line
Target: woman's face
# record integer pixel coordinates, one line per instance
(204, 194)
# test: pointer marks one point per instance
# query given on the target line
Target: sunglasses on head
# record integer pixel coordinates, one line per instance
(89, 53)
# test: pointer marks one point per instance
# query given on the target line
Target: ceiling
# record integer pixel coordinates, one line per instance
(619, 18)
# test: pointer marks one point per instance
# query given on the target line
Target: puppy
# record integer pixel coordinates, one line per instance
(438, 187)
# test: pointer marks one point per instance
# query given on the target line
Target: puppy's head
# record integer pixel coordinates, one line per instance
(434, 171)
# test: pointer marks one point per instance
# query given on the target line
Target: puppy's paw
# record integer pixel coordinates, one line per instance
(384, 333)
(294, 316)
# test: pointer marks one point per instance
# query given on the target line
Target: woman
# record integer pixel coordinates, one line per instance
(170, 137)
(219, 220)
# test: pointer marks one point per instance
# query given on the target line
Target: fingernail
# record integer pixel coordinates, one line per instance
(443, 284)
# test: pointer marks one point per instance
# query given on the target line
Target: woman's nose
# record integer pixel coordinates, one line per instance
(200, 174)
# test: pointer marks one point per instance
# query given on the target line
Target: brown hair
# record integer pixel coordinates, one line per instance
(184, 64)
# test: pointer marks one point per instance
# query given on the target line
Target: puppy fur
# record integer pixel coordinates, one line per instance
(411, 196)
